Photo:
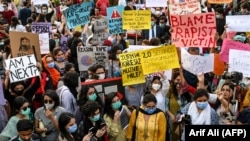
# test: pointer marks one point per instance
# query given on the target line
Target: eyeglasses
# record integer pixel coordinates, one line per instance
(48, 101)
(25, 108)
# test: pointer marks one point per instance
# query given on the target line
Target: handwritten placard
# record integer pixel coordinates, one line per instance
(115, 19)
(131, 68)
(44, 42)
(239, 61)
(40, 2)
(77, 14)
(196, 30)
(22, 68)
(100, 34)
(230, 44)
(136, 19)
(185, 8)
(156, 3)
(239, 23)
(41, 27)
(159, 59)
(197, 64)
(181, 1)
(89, 55)
(220, 1)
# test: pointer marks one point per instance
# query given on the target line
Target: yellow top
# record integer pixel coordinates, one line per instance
(152, 130)
(246, 101)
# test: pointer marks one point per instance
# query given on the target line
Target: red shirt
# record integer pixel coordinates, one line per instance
(102, 4)
(8, 15)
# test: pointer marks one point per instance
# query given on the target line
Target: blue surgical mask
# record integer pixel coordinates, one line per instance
(116, 105)
(217, 16)
(61, 59)
(92, 97)
(150, 110)
(57, 41)
(202, 105)
(26, 112)
(95, 118)
(72, 129)
(51, 65)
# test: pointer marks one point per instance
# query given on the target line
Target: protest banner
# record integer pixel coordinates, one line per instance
(159, 59)
(239, 23)
(139, 47)
(230, 44)
(100, 31)
(185, 8)
(41, 27)
(197, 64)
(63, 43)
(219, 66)
(40, 2)
(115, 19)
(77, 14)
(156, 3)
(22, 43)
(219, 1)
(136, 19)
(131, 68)
(195, 30)
(239, 60)
(44, 42)
(90, 55)
(22, 68)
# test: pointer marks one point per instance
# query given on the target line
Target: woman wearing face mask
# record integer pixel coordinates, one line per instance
(159, 87)
(21, 110)
(201, 113)
(50, 69)
(150, 122)
(100, 71)
(59, 59)
(93, 121)
(112, 117)
(87, 93)
(46, 117)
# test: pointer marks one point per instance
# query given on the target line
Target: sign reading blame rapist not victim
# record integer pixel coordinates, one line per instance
(196, 30)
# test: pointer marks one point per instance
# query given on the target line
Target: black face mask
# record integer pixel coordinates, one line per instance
(19, 93)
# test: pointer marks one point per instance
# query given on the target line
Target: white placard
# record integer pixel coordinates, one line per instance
(44, 43)
(22, 68)
(239, 23)
(197, 64)
(40, 2)
(156, 3)
(239, 61)
(185, 8)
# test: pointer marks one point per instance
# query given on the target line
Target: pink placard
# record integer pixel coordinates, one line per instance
(194, 30)
(230, 44)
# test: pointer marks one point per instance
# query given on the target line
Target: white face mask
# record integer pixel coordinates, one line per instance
(156, 86)
(157, 12)
(101, 76)
(49, 106)
(54, 30)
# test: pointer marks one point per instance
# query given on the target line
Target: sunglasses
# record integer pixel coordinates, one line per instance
(48, 101)
(25, 108)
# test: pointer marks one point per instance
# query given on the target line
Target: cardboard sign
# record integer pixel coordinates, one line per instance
(195, 30)
(197, 64)
(115, 19)
(239, 61)
(77, 14)
(136, 19)
(22, 68)
(156, 3)
(22, 44)
(185, 8)
(159, 59)
(230, 44)
(90, 55)
(131, 68)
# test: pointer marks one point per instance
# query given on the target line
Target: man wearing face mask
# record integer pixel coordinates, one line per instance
(46, 12)
(244, 9)
(7, 14)
(155, 30)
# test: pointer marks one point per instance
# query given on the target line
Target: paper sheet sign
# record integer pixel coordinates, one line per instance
(239, 61)
(220, 1)
(115, 19)
(136, 19)
(156, 3)
(22, 68)
(195, 30)
(197, 64)
(131, 68)
(159, 59)
(229, 44)
(185, 8)
(239, 23)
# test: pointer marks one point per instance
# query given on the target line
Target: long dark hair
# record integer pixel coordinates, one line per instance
(63, 120)
(52, 94)
(18, 103)
(83, 95)
(108, 104)
(218, 103)
(70, 80)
